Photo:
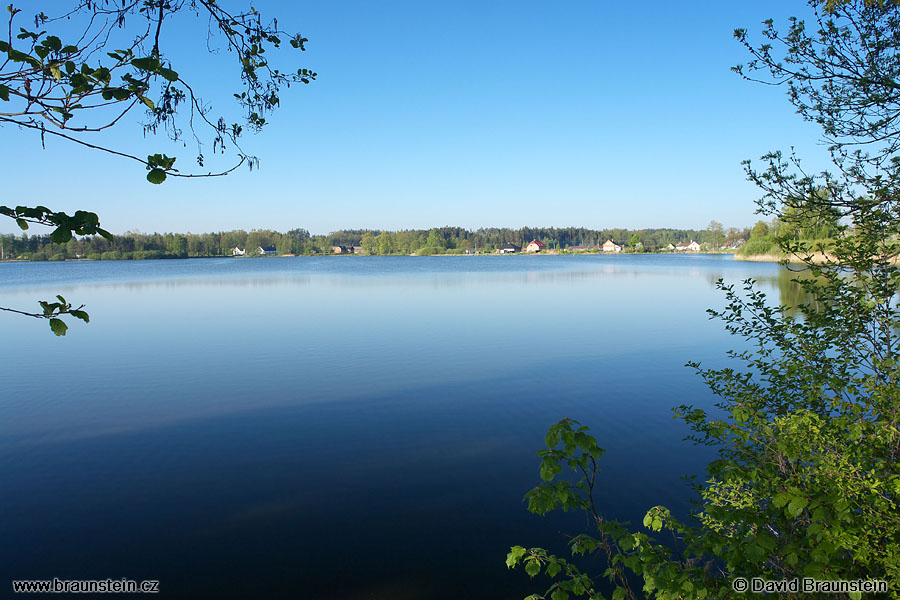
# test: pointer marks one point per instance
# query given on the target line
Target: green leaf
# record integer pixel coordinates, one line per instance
(146, 64)
(4, 93)
(168, 74)
(796, 506)
(58, 327)
(781, 499)
(532, 568)
(559, 594)
(515, 553)
(619, 594)
(80, 314)
(148, 102)
(553, 569)
(549, 468)
(22, 223)
(61, 235)
(156, 176)
(16, 56)
(552, 437)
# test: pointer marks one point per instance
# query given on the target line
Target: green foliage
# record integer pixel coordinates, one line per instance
(790, 496)
(52, 311)
(760, 245)
(81, 223)
(635, 241)
(84, 86)
(715, 234)
(760, 230)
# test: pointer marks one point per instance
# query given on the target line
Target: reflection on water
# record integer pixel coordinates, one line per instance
(792, 294)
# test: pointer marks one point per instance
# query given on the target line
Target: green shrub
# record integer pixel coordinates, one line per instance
(756, 246)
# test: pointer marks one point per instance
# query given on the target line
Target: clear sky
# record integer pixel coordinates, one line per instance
(475, 114)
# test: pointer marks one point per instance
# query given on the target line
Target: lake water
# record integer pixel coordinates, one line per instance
(339, 427)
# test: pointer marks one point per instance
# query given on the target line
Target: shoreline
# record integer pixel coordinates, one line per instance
(759, 257)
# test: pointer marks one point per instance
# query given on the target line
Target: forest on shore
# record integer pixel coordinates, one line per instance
(438, 240)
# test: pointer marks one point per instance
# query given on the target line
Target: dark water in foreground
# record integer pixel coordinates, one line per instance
(343, 427)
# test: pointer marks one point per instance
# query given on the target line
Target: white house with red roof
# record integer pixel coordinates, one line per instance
(535, 246)
(691, 247)
(611, 246)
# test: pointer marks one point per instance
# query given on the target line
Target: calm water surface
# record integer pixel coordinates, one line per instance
(340, 427)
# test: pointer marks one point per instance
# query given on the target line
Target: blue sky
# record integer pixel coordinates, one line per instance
(476, 114)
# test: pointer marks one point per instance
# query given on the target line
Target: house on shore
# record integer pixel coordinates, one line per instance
(688, 247)
(238, 251)
(611, 246)
(342, 250)
(535, 246)
(266, 250)
(509, 249)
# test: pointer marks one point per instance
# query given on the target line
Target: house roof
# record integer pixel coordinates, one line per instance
(539, 243)
(268, 248)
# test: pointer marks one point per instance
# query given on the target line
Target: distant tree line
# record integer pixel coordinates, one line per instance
(440, 240)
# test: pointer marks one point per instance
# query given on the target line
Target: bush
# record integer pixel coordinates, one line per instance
(757, 246)
(112, 255)
(93, 256)
(58, 257)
